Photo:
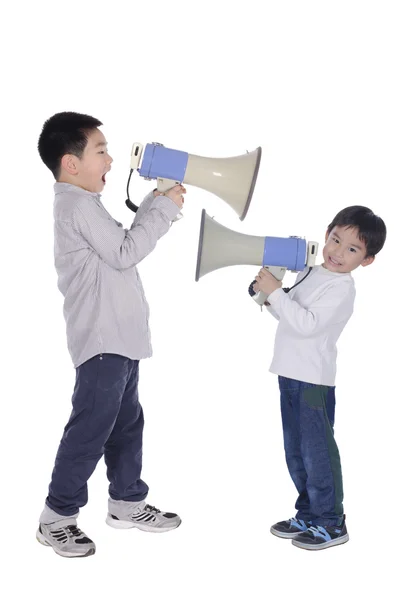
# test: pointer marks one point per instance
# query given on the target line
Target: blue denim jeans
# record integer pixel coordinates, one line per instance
(308, 415)
(106, 420)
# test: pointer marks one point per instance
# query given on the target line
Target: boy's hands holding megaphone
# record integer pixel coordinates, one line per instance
(266, 282)
(175, 194)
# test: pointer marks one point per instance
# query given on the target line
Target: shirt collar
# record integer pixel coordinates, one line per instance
(63, 188)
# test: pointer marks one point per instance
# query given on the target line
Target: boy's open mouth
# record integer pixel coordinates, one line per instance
(104, 175)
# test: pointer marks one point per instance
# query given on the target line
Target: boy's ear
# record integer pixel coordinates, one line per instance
(368, 261)
(326, 236)
(69, 162)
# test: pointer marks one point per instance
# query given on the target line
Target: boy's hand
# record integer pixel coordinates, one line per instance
(266, 283)
(175, 194)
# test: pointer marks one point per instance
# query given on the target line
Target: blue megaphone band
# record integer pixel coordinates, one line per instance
(162, 162)
(285, 252)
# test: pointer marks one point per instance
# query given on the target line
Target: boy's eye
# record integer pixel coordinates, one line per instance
(352, 249)
(336, 240)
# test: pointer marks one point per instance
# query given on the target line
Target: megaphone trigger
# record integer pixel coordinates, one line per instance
(163, 184)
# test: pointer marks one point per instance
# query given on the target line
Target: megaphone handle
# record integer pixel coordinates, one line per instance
(259, 297)
(163, 185)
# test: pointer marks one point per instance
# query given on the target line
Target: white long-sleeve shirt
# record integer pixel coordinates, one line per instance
(311, 318)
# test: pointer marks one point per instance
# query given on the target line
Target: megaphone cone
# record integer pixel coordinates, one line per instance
(221, 247)
(231, 179)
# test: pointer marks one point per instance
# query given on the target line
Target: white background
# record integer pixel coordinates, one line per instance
(313, 83)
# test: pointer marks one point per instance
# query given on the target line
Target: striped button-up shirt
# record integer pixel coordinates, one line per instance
(105, 308)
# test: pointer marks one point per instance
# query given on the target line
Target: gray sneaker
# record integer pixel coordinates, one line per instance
(142, 516)
(65, 538)
(290, 529)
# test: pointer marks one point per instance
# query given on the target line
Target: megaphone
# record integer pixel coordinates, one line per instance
(231, 179)
(221, 247)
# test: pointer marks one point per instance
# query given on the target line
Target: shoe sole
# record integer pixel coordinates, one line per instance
(335, 542)
(130, 525)
(285, 536)
(44, 542)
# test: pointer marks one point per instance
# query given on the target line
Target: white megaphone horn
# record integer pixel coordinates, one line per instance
(231, 179)
(221, 247)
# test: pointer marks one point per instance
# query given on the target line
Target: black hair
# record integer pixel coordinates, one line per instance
(371, 228)
(64, 133)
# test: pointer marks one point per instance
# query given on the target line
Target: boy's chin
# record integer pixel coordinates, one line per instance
(328, 264)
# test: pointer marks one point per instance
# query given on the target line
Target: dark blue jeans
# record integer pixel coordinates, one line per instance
(106, 420)
(308, 415)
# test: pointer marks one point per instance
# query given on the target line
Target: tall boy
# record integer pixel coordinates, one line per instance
(106, 317)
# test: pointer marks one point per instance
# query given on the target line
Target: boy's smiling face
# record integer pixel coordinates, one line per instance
(344, 251)
(89, 171)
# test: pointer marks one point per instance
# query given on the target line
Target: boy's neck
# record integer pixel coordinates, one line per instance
(76, 185)
(324, 266)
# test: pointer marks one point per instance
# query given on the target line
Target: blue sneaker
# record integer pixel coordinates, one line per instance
(290, 529)
(319, 538)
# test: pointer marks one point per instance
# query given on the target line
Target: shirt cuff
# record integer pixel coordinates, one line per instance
(167, 206)
(275, 296)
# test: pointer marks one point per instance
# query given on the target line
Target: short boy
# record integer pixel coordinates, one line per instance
(311, 318)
